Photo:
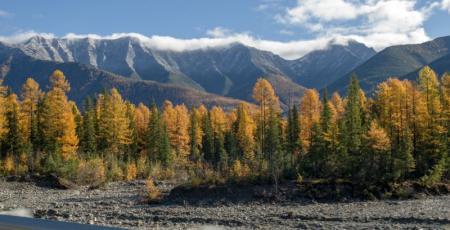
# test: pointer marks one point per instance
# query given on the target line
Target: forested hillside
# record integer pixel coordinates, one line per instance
(400, 134)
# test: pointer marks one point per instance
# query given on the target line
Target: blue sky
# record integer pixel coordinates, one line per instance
(286, 27)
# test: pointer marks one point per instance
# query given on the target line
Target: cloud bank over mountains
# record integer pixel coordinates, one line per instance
(376, 23)
(289, 50)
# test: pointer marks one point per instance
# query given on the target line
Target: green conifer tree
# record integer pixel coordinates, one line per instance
(208, 140)
(352, 130)
(195, 153)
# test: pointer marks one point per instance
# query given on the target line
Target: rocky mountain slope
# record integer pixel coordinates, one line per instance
(322, 67)
(397, 61)
(228, 71)
(16, 67)
(440, 66)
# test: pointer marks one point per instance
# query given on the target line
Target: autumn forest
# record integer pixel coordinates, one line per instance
(400, 133)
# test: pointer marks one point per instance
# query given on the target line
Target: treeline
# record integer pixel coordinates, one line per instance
(400, 134)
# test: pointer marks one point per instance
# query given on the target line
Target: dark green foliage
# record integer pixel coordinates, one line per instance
(194, 145)
(158, 140)
(314, 160)
(352, 118)
(220, 154)
(435, 174)
(320, 154)
(352, 128)
(273, 145)
(403, 161)
(165, 155)
(132, 148)
(89, 134)
(13, 143)
(293, 142)
(230, 145)
(325, 118)
(208, 141)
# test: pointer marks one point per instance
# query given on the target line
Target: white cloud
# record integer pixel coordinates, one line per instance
(289, 50)
(377, 23)
(23, 36)
(218, 32)
(324, 10)
(4, 13)
(445, 5)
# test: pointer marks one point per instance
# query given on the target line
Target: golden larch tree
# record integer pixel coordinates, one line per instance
(218, 120)
(2, 110)
(177, 121)
(113, 121)
(58, 119)
(31, 95)
(244, 132)
(142, 120)
(310, 108)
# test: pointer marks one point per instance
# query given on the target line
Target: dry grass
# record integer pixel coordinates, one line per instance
(131, 172)
(153, 193)
(91, 172)
(8, 165)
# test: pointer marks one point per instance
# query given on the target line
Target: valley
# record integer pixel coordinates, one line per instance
(266, 114)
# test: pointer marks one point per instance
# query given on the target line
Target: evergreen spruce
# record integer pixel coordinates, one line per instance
(193, 132)
(208, 140)
(352, 130)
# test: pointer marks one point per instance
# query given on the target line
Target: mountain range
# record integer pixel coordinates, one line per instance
(229, 71)
(218, 75)
(86, 80)
(403, 61)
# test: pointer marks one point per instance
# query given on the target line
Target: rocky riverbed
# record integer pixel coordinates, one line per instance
(121, 204)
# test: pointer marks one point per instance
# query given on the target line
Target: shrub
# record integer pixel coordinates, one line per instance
(168, 173)
(68, 170)
(52, 163)
(131, 171)
(153, 192)
(22, 168)
(142, 168)
(91, 172)
(236, 169)
(115, 173)
(155, 170)
(195, 181)
(239, 170)
(37, 161)
(8, 165)
(159, 172)
(434, 175)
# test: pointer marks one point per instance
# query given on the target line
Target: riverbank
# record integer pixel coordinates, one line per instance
(122, 204)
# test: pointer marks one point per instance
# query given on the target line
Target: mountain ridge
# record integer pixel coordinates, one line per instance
(229, 71)
(395, 61)
(86, 80)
